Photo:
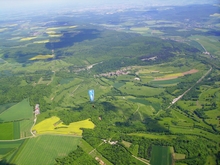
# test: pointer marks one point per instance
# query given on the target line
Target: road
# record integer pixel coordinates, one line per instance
(179, 97)
(35, 119)
(142, 160)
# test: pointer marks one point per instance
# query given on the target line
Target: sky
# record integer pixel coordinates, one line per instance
(33, 4)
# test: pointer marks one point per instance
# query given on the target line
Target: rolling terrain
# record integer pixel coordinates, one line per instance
(156, 82)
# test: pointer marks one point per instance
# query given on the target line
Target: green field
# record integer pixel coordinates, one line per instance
(16, 129)
(155, 105)
(19, 111)
(7, 131)
(8, 148)
(160, 155)
(44, 149)
(165, 82)
(210, 43)
(66, 81)
(131, 89)
(5, 106)
(10, 130)
(25, 127)
(153, 136)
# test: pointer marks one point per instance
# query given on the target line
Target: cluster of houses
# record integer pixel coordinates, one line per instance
(110, 142)
(37, 109)
(116, 73)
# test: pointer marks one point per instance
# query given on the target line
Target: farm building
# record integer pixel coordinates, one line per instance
(37, 109)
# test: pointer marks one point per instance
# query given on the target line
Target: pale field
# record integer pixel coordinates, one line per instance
(53, 125)
(52, 29)
(176, 75)
(140, 29)
(179, 156)
(41, 42)
(27, 38)
(72, 27)
(51, 32)
(42, 57)
(3, 29)
(55, 35)
(15, 38)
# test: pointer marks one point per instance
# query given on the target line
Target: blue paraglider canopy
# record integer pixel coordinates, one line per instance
(91, 95)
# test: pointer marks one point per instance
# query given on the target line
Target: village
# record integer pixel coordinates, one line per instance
(123, 71)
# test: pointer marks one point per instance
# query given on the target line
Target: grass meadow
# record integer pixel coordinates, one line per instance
(44, 149)
(8, 148)
(5, 107)
(19, 111)
(130, 89)
(10, 130)
(7, 131)
(25, 127)
(154, 136)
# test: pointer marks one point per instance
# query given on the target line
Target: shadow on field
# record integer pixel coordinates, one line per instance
(69, 38)
(134, 123)
(4, 162)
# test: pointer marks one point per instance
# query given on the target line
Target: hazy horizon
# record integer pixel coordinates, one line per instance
(20, 4)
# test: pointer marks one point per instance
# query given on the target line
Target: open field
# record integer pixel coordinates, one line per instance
(165, 82)
(41, 42)
(19, 111)
(42, 57)
(44, 149)
(126, 144)
(160, 156)
(131, 89)
(152, 105)
(8, 148)
(50, 126)
(179, 156)
(7, 131)
(16, 129)
(25, 127)
(27, 38)
(154, 136)
(175, 75)
(5, 107)
(195, 131)
(10, 130)
(211, 44)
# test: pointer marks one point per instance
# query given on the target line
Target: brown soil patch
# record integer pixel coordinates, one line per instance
(174, 77)
(190, 71)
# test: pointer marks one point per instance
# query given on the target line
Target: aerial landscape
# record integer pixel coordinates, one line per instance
(117, 83)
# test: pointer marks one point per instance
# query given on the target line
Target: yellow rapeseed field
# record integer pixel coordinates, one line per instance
(53, 125)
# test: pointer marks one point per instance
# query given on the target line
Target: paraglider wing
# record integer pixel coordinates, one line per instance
(91, 95)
